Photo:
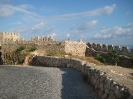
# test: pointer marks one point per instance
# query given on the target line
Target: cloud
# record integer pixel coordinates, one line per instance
(88, 25)
(106, 10)
(48, 30)
(68, 35)
(53, 34)
(38, 26)
(116, 32)
(72, 26)
(127, 13)
(8, 10)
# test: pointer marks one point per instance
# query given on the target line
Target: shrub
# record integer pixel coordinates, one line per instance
(20, 48)
(100, 58)
(32, 49)
(113, 57)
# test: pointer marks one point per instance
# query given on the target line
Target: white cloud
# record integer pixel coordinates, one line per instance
(88, 25)
(116, 32)
(53, 34)
(8, 10)
(109, 9)
(38, 26)
(48, 30)
(68, 35)
(72, 26)
(127, 13)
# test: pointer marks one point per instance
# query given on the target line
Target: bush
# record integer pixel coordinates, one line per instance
(20, 48)
(32, 49)
(113, 57)
(100, 58)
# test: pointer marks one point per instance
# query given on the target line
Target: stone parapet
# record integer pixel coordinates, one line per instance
(124, 50)
(104, 85)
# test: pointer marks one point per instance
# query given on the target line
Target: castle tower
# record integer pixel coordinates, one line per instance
(8, 35)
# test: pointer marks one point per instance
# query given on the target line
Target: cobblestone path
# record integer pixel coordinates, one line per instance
(21, 82)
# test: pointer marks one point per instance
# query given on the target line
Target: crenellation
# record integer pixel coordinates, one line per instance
(89, 44)
(124, 50)
(47, 43)
(117, 48)
(46, 38)
(110, 48)
(104, 48)
(99, 47)
(94, 45)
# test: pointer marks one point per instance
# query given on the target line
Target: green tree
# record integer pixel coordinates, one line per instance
(113, 57)
(100, 58)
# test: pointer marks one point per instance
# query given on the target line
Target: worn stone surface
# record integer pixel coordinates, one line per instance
(17, 82)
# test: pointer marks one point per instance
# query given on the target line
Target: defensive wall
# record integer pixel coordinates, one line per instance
(106, 86)
(108, 48)
(103, 49)
(8, 36)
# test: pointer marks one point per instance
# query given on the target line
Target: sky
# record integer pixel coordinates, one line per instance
(99, 21)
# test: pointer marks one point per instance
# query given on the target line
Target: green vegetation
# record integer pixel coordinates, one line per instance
(100, 58)
(32, 49)
(132, 56)
(58, 54)
(113, 57)
(20, 48)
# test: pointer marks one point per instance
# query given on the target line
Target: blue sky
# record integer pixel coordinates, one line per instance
(100, 21)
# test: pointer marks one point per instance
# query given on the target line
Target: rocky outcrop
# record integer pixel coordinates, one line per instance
(105, 86)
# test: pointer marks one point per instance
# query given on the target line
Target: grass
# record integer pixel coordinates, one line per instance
(87, 59)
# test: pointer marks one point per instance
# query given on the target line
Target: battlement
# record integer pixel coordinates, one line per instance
(8, 37)
(108, 48)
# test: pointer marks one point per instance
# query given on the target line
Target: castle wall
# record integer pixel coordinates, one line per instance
(125, 61)
(108, 48)
(8, 37)
(75, 48)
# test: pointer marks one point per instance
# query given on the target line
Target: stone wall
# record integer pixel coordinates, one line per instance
(106, 87)
(8, 37)
(108, 48)
(124, 56)
(73, 47)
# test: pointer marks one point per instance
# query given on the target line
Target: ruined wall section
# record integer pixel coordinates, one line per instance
(75, 47)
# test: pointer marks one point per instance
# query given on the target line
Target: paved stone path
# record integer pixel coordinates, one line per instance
(19, 82)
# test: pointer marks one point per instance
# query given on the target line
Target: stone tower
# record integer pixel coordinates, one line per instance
(8, 37)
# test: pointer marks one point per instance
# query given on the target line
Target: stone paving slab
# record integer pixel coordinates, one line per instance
(26, 82)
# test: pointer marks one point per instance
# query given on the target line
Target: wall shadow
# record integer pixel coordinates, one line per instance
(1, 61)
(73, 86)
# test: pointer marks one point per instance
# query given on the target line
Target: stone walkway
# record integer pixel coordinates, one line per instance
(19, 82)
